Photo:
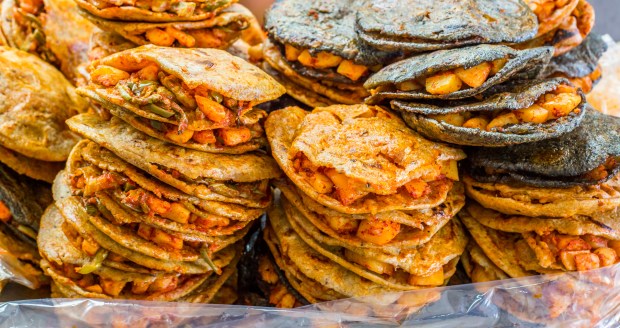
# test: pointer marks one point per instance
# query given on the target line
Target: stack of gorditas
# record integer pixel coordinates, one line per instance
(546, 207)
(184, 24)
(366, 208)
(53, 30)
(566, 25)
(313, 50)
(155, 204)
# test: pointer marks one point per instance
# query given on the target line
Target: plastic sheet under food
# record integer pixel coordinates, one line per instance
(606, 94)
(588, 299)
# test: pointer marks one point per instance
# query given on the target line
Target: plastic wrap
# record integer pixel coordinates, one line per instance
(588, 299)
(606, 94)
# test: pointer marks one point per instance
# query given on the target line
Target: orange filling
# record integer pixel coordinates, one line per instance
(446, 82)
(434, 279)
(561, 102)
(5, 213)
(152, 90)
(582, 253)
(326, 60)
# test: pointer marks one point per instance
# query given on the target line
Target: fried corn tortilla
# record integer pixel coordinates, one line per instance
(60, 255)
(514, 199)
(311, 290)
(418, 26)
(570, 33)
(316, 266)
(87, 153)
(498, 246)
(424, 261)
(586, 156)
(204, 175)
(156, 11)
(551, 251)
(385, 84)
(72, 210)
(603, 224)
(215, 32)
(417, 227)
(326, 26)
(517, 99)
(134, 231)
(326, 136)
(548, 21)
(32, 168)
(187, 97)
(34, 104)
(336, 92)
(41, 29)
(103, 44)
(299, 93)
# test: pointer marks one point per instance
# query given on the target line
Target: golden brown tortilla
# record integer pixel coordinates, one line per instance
(348, 147)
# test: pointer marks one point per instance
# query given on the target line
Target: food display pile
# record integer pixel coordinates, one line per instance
(165, 150)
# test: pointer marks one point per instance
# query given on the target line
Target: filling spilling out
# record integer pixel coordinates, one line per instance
(574, 253)
(388, 270)
(327, 61)
(585, 83)
(212, 37)
(446, 82)
(179, 8)
(553, 105)
(29, 16)
(348, 190)
(279, 295)
(88, 181)
(86, 279)
(572, 30)
(165, 95)
(7, 218)
(544, 9)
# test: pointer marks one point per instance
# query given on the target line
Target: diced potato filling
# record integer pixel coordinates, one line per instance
(325, 60)
(160, 237)
(581, 253)
(369, 263)
(280, 297)
(545, 8)
(450, 81)
(349, 190)
(144, 85)
(434, 279)
(5, 213)
(342, 225)
(267, 271)
(377, 231)
(553, 105)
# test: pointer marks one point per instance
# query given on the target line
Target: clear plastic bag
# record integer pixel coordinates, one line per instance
(586, 299)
